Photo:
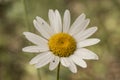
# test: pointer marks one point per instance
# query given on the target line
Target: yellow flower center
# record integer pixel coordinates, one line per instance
(62, 44)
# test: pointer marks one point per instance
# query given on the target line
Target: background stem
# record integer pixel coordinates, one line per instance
(26, 15)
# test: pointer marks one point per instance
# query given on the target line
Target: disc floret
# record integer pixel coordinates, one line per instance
(62, 44)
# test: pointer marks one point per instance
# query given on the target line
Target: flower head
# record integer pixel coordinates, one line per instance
(61, 43)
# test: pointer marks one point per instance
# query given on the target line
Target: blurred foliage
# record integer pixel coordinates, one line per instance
(16, 16)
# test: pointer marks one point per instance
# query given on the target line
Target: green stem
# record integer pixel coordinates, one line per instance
(58, 71)
(38, 73)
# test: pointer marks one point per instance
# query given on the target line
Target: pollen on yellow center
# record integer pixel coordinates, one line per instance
(62, 44)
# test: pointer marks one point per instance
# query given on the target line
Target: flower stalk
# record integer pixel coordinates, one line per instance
(38, 73)
(58, 71)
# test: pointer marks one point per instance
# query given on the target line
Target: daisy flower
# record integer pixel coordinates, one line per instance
(61, 42)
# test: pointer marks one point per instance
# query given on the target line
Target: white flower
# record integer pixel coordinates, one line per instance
(61, 42)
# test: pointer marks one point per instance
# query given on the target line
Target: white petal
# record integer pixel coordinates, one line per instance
(78, 20)
(54, 63)
(59, 22)
(65, 61)
(87, 42)
(85, 34)
(42, 21)
(80, 27)
(35, 39)
(41, 29)
(66, 21)
(55, 20)
(45, 25)
(72, 66)
(51, 16)
(40, 57)
(44, 60)
(35, 49)
(86, 54)
(78, 61)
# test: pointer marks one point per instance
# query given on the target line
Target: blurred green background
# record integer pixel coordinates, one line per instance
(16, 16)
